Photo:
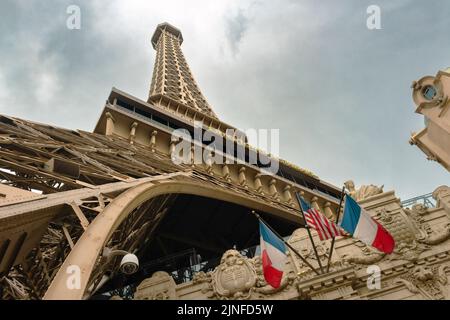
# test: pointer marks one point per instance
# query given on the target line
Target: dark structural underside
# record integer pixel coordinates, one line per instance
(192, 236)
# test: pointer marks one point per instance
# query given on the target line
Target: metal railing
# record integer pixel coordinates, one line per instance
(427, 200)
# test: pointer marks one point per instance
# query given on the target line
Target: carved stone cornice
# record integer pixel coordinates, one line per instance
(326, 282)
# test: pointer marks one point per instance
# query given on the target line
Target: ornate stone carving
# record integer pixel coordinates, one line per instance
(404, 232)
(159, 287)
(426, 234)
(261, 286)
(422, 274)
(364, 191)
(309, 254)
(438, 236)
(226, 173)
(234, 277)
(273, 189)
(442, 277)
(205, 278)
(417, 213)
(238, 277)
(367, 255)
(442, 197)
(409, 251)
(420, 209)
(431, 282)
(385, 217)
(258, 184)
(287, 194)
(410, 286)
(242, 177)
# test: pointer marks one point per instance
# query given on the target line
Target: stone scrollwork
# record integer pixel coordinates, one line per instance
(409, 251)
(385, 216)
(419, 209)
(438, 236)
(366, 257)
(408, 284)
(443, 280)
(442, 273)
(431, 282)
(426, 234)
(206, 280)
(417, 214)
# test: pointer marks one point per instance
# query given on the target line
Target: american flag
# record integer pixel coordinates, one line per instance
(325, 228)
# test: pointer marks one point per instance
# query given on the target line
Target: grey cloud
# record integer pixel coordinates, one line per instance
(235, 29)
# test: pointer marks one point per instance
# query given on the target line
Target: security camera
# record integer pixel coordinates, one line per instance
(129, 264)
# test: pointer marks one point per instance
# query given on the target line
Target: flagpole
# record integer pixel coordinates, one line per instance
(285, 242)
(337, 221)
(309, 232)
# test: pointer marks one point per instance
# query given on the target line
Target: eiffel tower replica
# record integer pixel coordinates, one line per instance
(79, 211)
(66, 195)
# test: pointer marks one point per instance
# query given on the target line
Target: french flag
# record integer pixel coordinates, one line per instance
(273, 255)
(362, 226)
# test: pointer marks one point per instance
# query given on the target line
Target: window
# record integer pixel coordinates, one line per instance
(144, 113)
(429, 92)
(125, 105)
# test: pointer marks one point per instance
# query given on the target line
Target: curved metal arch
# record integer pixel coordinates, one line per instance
(88, 248)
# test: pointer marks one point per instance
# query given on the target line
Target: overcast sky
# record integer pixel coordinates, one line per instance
(339, 92)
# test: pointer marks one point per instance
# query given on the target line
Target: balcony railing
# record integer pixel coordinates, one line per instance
(427, 200)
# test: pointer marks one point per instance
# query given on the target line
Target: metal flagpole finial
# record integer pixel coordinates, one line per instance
(254, 213)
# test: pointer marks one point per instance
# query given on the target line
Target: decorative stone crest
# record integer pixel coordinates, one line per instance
(234, 277)
(160, 286)
(238, 277)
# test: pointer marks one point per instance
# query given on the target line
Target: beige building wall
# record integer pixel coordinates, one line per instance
(419, 267)
(431, 96)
